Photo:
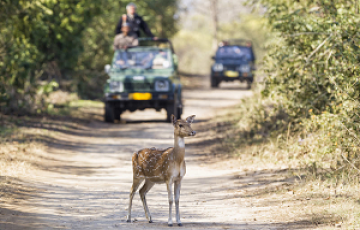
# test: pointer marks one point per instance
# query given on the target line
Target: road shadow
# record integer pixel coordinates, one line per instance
(232, 88)
(81, 208)
(213, 225)
(129, 122)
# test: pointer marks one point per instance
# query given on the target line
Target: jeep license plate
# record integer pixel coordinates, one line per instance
(231, 73)
(140, 96)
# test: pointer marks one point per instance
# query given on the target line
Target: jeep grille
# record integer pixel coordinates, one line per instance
(139, 86)
(231, 67)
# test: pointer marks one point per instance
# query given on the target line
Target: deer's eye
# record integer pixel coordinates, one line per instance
(180, 126)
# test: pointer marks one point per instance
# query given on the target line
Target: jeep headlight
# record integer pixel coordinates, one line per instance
(218, 67)
(162, 86)
(116, 86)
(244, 68)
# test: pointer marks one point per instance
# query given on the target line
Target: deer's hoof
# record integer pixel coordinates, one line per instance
(170, 225)
(129, 221)
(180, 224)
(150, 221)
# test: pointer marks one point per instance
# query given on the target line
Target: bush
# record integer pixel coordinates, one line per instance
(68, 41)
(313, 71)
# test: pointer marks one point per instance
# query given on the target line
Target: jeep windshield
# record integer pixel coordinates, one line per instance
(234, 52)
(140, 58)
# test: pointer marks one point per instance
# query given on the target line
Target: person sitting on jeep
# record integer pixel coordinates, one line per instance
(126, 38)
(136, 22)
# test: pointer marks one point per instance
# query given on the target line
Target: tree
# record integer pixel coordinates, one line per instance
(313, 69)
(60, 40)
(219, 11)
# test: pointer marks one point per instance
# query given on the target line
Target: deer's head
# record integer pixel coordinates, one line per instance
(182, 128)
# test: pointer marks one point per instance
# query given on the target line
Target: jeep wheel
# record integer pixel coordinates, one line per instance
(117, 114)
(248, 85)
(169, 111)
(179, 113)
(109, 115)
(172, 109)
(214, 82)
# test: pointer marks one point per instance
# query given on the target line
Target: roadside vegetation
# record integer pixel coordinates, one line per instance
(52, 57)
(23, 139)
(62, 44)
(302, 122)
(304, 117)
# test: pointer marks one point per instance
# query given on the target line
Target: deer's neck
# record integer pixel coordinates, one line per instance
(179, 149)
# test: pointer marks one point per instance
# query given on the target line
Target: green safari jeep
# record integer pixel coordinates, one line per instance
(143, 77)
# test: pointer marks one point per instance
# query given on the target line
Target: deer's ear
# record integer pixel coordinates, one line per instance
(190, 119)
(173, 119)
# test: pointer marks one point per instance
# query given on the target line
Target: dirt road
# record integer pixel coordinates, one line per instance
(84, 178)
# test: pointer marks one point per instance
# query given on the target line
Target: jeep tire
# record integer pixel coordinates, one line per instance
(117, 114)
(214, 82)
(109, 115)
(248, 84)
(173, 109)
(170, 109)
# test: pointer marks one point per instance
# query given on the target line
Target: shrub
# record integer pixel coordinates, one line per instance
(313, 70)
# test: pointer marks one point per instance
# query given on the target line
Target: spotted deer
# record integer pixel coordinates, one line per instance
(162, 166)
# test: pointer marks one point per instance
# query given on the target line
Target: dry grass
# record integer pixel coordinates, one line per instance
(14, 155)
(298, 171)
(23, 140)
(17, 156)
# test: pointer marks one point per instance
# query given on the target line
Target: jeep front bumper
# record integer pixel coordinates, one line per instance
(135, 101)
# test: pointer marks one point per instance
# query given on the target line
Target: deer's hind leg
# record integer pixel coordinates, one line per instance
(136, 182)
(145, 189)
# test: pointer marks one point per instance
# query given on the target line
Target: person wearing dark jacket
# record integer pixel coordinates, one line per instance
(135, 21)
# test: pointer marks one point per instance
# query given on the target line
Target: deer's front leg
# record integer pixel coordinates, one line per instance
(136, 183)
(177, 187)
(171, 201)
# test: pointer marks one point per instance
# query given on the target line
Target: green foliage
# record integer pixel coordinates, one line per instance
(69, 41)
(317, 58)
(313, 70)
(38, 39)
(251, 27)
(195, 56)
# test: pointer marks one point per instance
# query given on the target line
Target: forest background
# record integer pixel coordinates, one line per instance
(47, 45)
(304, 112)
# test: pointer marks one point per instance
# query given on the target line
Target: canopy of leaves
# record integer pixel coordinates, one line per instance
(315, 66)
(67, 40)
(313, 69)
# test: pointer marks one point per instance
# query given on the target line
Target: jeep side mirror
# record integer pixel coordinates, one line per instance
(107, 68)
(213, 57)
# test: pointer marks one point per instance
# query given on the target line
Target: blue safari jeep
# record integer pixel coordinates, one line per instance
(234, 60)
